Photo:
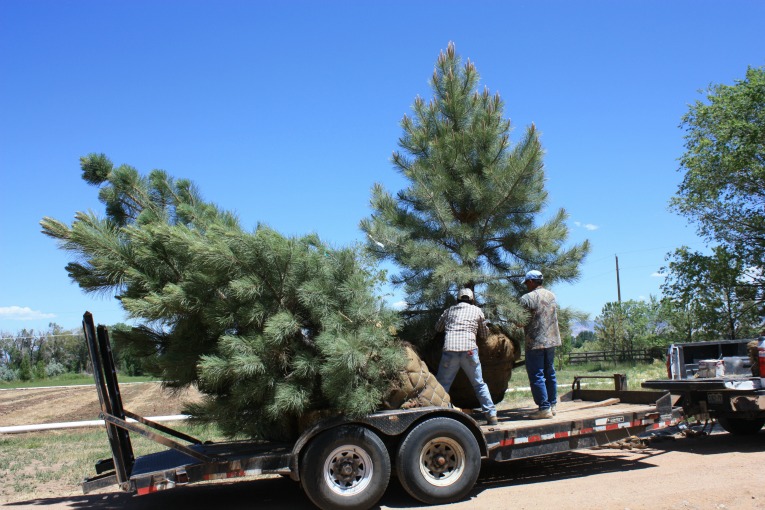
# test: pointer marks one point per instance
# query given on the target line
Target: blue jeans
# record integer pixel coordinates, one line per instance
(469, 362)
(540, 365)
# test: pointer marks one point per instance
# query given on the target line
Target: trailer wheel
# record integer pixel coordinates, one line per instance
(740, 426)
(439, 461)
(346, 467)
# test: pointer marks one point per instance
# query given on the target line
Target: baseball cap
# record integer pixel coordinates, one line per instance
(465, 293)
(534, 275)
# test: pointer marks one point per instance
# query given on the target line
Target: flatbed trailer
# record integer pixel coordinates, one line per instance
(436, 452)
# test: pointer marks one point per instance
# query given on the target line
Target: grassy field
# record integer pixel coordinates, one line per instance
(68, 380)
(636, 373)
(53, 463)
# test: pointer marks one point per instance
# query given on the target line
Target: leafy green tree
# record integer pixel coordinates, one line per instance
(269, 327)
(25, 369)
(715, 290)
(584, 337)
(723, 190)
(630, 325)
(471, 214)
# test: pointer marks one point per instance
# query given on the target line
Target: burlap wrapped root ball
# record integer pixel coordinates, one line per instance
(417, 386)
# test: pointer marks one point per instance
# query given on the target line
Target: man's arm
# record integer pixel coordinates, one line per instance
(483, 329)
(441, 324)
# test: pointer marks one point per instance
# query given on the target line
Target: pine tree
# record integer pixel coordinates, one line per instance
(470, 216)
(269, 327)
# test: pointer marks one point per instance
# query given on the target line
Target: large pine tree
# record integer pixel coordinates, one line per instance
(472, 213)
(269, 327)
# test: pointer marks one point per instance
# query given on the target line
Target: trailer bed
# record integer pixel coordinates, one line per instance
(585, 418)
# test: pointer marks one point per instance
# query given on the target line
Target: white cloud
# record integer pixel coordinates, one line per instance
(400, 305)
(657, 275)
(23, 313)
(587, 226)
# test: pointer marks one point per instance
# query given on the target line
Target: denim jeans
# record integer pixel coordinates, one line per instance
(469, 362)
(540, 365)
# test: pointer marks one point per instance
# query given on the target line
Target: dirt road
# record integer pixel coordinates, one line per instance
(717, 472)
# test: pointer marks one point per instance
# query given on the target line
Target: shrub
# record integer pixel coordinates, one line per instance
(8, 374)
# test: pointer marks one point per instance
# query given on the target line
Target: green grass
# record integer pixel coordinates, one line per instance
(55, 462)
(636, 373)
(69, 380)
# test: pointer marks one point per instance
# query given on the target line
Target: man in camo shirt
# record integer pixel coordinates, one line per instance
(542, 337)
(462, 323)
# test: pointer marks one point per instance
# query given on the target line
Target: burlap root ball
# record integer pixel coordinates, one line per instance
(417, 386)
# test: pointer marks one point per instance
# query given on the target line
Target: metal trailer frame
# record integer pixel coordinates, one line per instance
(514, 437)
(713, 397)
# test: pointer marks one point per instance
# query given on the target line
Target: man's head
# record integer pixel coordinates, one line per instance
(533, 279)
(465, 295)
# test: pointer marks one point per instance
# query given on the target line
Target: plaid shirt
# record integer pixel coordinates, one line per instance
(462, 322)
(542, 329)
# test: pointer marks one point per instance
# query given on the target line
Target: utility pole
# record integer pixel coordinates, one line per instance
(619, 294)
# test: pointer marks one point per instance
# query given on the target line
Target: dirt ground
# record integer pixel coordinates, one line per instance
(62, 404)
(714, 472)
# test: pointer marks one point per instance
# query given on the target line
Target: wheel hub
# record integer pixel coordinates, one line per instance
(348, 470)
(442, 461)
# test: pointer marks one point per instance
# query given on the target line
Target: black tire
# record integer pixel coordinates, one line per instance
(346, 467)
(741, 426)
(439, 461)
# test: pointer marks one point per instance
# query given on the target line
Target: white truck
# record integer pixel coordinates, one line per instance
(715, 380)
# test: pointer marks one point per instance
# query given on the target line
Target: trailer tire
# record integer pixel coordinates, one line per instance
(741, 426)
(438, 461)
(346, 467)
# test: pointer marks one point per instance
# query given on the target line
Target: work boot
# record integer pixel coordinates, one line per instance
(491, 420)
(541, 414)
(553, 410)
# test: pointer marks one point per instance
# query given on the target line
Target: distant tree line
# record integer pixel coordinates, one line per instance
(32, 355)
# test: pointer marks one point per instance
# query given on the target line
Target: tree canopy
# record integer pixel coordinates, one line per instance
(269, 327)
(471, 214)
(723, 189)
(713, 295)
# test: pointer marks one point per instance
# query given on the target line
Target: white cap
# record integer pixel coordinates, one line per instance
(534, 275)
(465, 293)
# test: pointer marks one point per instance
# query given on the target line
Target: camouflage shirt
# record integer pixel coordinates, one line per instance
(542, 329)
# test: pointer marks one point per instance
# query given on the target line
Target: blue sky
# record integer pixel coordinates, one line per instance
(287, 112)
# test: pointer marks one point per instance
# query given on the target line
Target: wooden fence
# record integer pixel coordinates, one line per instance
(612, 356)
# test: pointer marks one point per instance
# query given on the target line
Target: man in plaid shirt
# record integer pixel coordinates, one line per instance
(462, 323)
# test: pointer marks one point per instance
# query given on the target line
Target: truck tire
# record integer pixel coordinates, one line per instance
(438, 461)
(741, 426)
(345, 468)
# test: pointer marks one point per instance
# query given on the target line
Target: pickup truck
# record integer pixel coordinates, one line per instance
(715, 380)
